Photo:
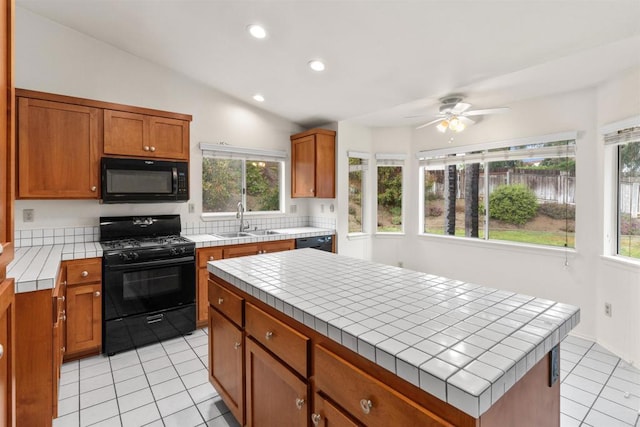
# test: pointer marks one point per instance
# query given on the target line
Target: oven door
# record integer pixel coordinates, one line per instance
(148, 286)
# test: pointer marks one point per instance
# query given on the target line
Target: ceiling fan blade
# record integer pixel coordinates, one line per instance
(460, 107)
(486, 111)
(466, 120)
(429, 123)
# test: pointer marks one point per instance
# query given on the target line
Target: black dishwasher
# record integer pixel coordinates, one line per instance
(324, 243)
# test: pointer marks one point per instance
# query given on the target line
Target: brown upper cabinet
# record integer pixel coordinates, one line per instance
(58, 150)
(131, 134)
(60, 141)
(313, 164)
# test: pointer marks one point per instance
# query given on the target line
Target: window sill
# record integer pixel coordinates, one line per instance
(358, 236)
(390, 235)
(620, 261)
(503, 245)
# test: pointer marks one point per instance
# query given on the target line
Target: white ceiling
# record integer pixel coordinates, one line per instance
(385, 59)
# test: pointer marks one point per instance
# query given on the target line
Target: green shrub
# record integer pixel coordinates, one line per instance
(558, 210)
(515, 204)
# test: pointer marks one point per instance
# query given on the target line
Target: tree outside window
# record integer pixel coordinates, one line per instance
(629, 199)
(357, 169)
(256, 183)
(389, 199)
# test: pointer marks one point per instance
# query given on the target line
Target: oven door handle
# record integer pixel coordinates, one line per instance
(162, 262)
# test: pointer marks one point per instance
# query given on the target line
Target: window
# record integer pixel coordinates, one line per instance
(627, 148)
(520, 193)
(231, 175)
(389, 178)
(358, 163)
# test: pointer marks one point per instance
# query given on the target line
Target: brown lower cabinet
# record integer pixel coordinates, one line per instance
(7, 359)
(275, 396)
(226, 361)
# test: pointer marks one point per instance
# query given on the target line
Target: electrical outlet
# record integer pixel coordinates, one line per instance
(400, 264)
(607, 309)
(28, 215)
(321, 208)
(294, 209)
(192, 207)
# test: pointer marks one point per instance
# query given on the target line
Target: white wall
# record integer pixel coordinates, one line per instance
(53, 58)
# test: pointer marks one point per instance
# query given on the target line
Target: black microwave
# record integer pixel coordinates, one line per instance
(144, 180)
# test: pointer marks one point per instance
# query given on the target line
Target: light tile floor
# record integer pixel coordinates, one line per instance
(167, 385)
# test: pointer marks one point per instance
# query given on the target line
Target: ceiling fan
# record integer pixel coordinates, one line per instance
(454, 114)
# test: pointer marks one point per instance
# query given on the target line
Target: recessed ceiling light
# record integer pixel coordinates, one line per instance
(257, 31)
(258, 97)
(316, 65)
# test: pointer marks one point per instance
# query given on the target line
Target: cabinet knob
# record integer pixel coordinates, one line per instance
(84, 273)
(299, 403)
(64, 349)
(315, 419)
(268, 335)
(63, 317)
(61, 299)
(152, 148)
(366, 405)
(220, 301)
(1, 351)
(96, 294)
(94, 188)
(145, 148)
(211, 258)
(236, 345)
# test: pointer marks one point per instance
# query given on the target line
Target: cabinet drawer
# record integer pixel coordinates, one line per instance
(226, 302)
(283, 341)
(208, 254)
(84, 271)
(369, 400)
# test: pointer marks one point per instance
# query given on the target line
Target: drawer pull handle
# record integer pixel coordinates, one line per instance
(315, 419)
(61, 299)
(94, 188)
(145, 148)
(211, 258)
(96, 294)
(268, 335)
(84, 273)
(63, 317)
(220, 301)
(236, 345)
(299, 403)
(366, 405)
(64, 349)
(1, 351)
(152, 148)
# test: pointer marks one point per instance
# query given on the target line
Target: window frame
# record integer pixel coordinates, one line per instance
(227, 152)
(614, 136)
(364, 192)
(481, 155)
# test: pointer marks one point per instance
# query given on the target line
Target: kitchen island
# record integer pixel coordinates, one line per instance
(327, 337)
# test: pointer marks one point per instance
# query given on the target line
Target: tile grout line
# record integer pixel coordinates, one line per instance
(567, 376)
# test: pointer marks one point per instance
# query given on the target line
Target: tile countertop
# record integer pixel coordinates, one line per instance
(207, 240)
(36, 267)
(464, 343)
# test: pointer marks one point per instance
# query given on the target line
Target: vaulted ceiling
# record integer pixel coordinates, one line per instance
(385, 60)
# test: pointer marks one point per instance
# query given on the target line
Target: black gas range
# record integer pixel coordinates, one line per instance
(149, 286)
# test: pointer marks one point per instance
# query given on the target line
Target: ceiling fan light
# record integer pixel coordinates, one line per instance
(442, 126)
(459, 127)
(453, 123)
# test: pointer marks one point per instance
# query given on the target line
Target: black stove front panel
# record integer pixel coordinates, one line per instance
(125, 227)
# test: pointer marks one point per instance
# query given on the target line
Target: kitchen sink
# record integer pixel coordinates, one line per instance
(262, 232)
(234, 234)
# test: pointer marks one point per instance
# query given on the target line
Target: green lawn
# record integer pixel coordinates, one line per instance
(630, 246)
(522, 236)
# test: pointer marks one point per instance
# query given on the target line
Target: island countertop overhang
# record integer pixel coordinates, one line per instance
(461, 342)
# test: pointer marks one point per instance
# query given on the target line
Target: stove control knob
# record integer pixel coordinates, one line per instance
(183, 250)
(124, 256)
(135, 255)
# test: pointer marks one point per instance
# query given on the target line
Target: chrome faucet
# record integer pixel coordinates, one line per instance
(240, 215)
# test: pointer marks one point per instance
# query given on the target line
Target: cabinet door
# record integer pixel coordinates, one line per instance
(275, 396)
(84, 318)
(226, 362)
(168, 138)
(7, 383)
(325, 414)
(325, 166)
(303, 160)
(241, 250)
(57, 150)
(59, 331)
(278, 246)
(125, 134)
